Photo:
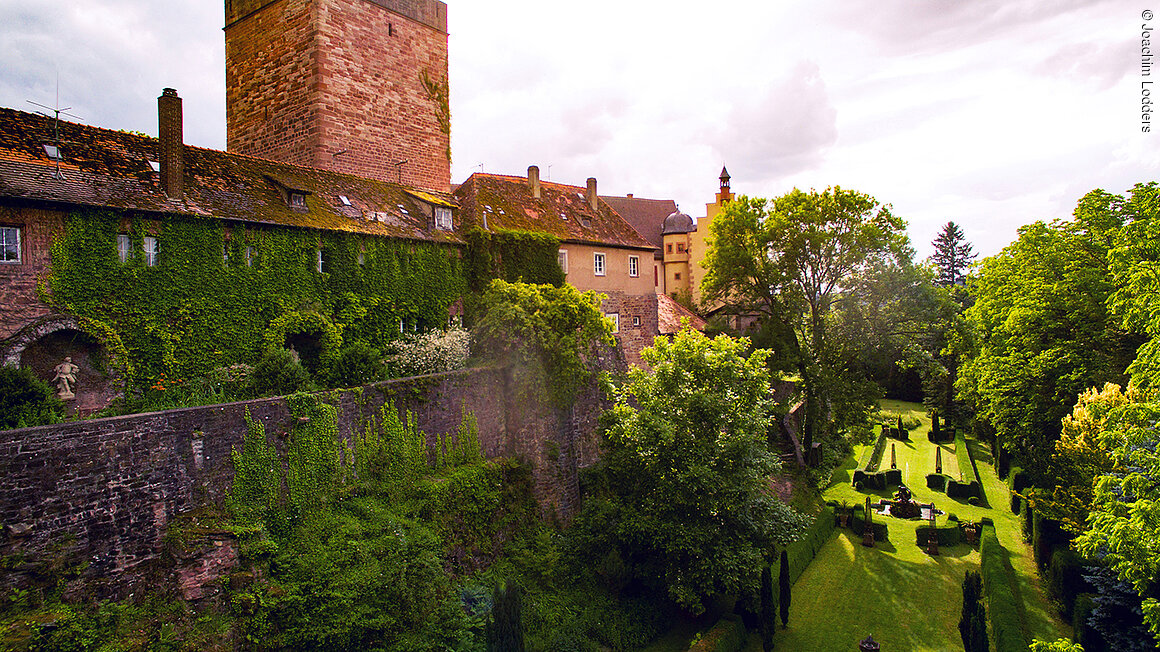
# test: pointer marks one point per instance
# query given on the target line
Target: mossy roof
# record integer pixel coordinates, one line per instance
(498, 202)
(107, 168)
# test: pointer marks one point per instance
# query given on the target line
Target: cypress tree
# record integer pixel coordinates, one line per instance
(783, 596)
(505, 631)
(767, 622)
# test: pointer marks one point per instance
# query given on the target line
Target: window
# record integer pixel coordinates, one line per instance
(251, 255)
(634, 265)
(613, 317)
(152, 248)
(676, 276)
(53, 152)
(9, 244)
(562, 258)
(636, 322)
(598, 264)
(362, 259)
(321, 261)
(122, 248)
(669, 247)
(680, 247)
(442, 217)
(225, 254)
(298, 199)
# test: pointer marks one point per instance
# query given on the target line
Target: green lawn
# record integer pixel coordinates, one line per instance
(907, 599)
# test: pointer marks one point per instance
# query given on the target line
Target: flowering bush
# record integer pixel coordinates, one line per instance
(432, 352)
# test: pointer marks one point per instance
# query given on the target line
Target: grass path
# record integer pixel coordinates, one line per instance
(907, 599)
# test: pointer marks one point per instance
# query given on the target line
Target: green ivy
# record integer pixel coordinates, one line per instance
(208, 304)
(523, 256)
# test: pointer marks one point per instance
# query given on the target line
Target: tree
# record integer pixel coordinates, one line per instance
(548, 332)
(784, 594)
(767, 623)
(505, 629)
(681, 492)
(952, 255)
(26, 400)
(1042, 332)
(790, 260)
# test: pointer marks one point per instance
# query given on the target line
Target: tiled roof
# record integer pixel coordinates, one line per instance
(670, 313)
(106, 168)
(647, 216)
(504, 202)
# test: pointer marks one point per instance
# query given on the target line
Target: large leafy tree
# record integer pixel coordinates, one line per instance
(681, 498)
(1043, 332)
(790, 261)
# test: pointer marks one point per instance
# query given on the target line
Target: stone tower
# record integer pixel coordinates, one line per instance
(356, 86)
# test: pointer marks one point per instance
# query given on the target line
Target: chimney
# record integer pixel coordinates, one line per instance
(592, 198)
(172, 147)
(534, 180)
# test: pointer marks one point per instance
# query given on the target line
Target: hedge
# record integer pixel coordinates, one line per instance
(956, 489)
(937, 481)
(1046, 536)
(970, 484)
(878, 479)
(948, 535)
(876, 456)
(1017, 481)
(858, 525)
(1002, 609)
(1085, 634)
(1065, 579)
(945, 435)
(728, 635)
(803, 551)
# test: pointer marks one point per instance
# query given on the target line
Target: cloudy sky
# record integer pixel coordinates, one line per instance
(991, 113)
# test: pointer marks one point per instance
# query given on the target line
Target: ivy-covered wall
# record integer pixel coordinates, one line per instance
(217, 288)
(513, 256)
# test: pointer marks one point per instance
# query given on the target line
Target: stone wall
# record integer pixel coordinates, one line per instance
(20, 303)
(109, 487)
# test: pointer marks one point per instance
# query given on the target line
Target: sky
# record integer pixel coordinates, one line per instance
(988, 113)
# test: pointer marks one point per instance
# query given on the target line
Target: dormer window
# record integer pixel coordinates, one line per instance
(344, 200)
(297, 199)
(155, 166)
(442, 218)
(53, 152)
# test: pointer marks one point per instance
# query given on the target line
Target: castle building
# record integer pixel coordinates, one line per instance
(354, 86)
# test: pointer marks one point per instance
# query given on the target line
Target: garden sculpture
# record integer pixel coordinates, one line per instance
(893, 458)
(938, 459)
(65, 378)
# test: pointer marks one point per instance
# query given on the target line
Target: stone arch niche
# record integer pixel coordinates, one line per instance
(43, 345)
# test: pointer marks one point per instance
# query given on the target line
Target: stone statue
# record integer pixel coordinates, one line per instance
(66, 378)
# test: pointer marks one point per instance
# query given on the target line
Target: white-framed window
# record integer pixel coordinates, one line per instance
(598, 264)
(123, 245)
(636, 322)
(362, 258)
(225, 254)
(634, 265)
(614, 318)
(298, 200)
(9, 244)
(562, 258)
(152, 248)
(442, 217)
(251, 255)
(321, 264)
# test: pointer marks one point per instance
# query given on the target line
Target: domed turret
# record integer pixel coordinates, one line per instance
(677, 222)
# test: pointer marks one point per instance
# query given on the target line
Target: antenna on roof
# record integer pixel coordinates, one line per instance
(480, 166)
(56, 113)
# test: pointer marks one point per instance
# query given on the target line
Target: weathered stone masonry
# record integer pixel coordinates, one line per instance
(111, 486)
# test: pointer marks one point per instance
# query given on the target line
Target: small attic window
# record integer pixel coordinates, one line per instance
(442, 218)
(53, 152)
(155, 166)
(297, 199)
(345, 201)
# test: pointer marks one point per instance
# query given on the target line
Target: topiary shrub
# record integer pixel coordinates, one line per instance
(936, 481)
(973, 501)
(948, 535)
(859, 485)
(26, 400)
(278, 373)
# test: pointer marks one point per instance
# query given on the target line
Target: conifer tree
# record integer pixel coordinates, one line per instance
(767, 618)
(783, 586)
(952, 255)
(505, 630)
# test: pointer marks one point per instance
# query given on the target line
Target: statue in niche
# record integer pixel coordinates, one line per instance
(65, 378)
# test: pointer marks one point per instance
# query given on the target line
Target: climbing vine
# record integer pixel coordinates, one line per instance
(439, 92)
(217, 291)
(511, 255)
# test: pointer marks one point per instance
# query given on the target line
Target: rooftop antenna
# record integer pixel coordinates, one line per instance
(480, 166)
(56, 113)
(549, 173)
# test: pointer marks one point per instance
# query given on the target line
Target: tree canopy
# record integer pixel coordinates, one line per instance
(682, 498)
(952, 255)
(790, 260)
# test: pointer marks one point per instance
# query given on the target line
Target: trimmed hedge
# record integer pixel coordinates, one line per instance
(937, 481)
(1017, 481)
(948, 535)
(1065, 579)
(1002, 608)
(858, 525)
(944, 436)
(878, 479)
(1085, 634)
(1046, 536)
(728, 635)
(970, 484)
(876, 456)
(803, 551)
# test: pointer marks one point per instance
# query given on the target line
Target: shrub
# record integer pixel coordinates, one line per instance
(1046, 536)
(859, 485)
(505, 631)
(801, 552)
(999, 595)
(357, 364)
(948, 535)
(278, 373)
(937, 481)
(1085, 634)
(728, 635)
(952, 518)
(1027, 516)
(876, 456)
(26, 400)
(973, 501)
(973, 623)
(432, 352)
(858, 525)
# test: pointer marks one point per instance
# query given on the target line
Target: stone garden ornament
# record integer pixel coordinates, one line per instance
(65, 378)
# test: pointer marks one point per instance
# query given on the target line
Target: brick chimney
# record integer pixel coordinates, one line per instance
(534, 180)
(172, 148)
(592, 198)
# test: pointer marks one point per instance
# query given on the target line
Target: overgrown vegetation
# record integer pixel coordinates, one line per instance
(26, 400)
